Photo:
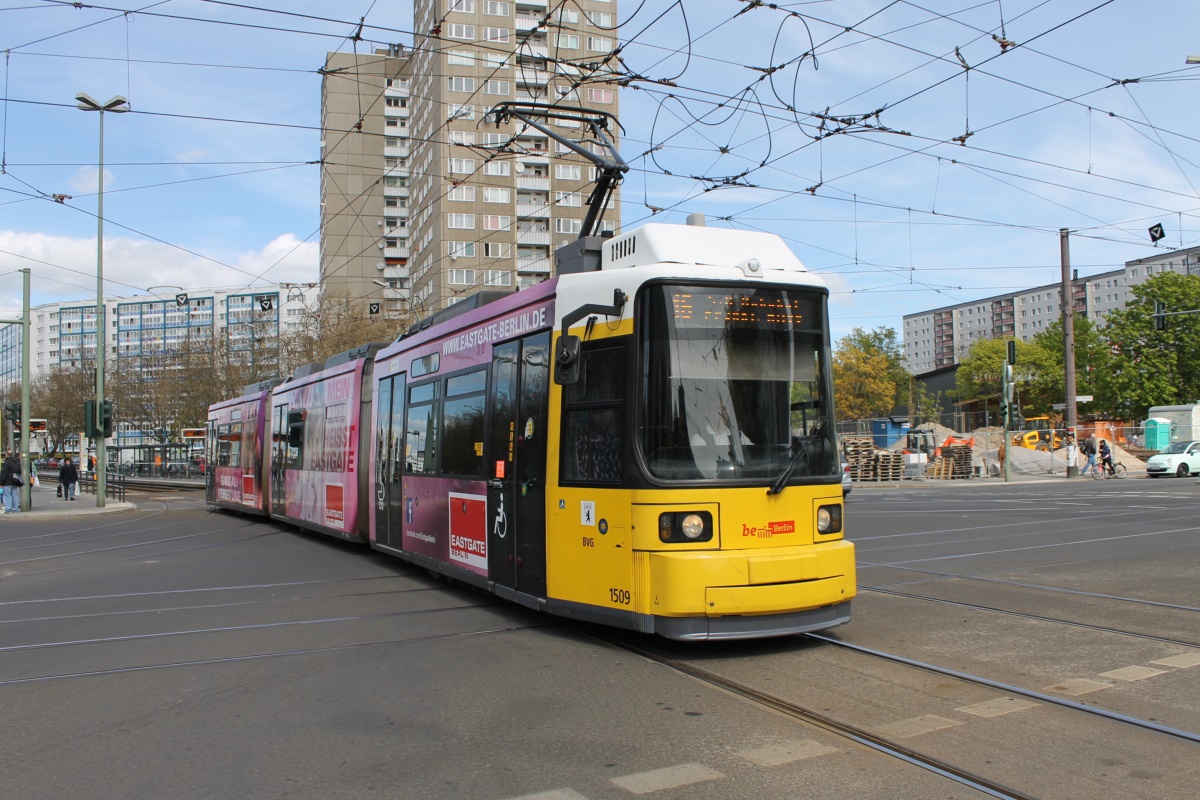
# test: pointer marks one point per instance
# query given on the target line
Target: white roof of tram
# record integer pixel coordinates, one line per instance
(656, 243)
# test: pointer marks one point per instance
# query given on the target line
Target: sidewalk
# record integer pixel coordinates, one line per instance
(47, 505)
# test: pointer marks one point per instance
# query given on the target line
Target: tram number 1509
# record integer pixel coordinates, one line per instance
(619, 596)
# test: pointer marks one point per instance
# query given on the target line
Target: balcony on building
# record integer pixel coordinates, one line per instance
(395, 191)
(533, 183)
(526, 76)
(526, 23)
(532, 49)
(533, 237)
(395, 252)
(395, 151)
(531, 3)
(535, 210)
(537, 264)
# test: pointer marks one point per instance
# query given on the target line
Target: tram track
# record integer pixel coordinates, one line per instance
(861, 736)
(1076, 705)
(297, 623)
(1037, 617)
(269, 655)
(981, 576)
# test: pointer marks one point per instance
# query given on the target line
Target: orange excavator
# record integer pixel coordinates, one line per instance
(925, 441)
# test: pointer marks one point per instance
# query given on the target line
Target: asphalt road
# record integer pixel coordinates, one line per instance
(173, 652)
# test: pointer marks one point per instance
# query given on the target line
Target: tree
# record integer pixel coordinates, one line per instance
(980, 374)
(1048, 386)
(1147, 367)
(865, 373)
(59, 396)
(338, 323)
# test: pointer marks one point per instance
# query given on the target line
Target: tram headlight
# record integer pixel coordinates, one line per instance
(829, 519)
(685, 526)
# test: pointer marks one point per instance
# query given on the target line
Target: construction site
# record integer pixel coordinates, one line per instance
(935, 452)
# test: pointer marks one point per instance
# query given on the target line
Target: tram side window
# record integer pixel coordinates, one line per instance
(421, 430)
(594, 417)
(229, 446)
(462, 451)
(295, 440)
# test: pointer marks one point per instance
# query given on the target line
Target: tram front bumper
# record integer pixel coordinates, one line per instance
(724, 583)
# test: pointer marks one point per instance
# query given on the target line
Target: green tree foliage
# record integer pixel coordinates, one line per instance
(980, 375)
(868, 370)
(1091, 361)
(1147, 367)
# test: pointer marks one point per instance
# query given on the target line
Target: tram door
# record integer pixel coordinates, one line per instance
(210, 462)
(517, 468)
(279, 437)
(389, 441)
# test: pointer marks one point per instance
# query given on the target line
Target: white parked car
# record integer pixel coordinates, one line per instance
(847, 485)
(1180, 459)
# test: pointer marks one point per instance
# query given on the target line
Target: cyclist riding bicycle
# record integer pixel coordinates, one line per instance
(1106, 461)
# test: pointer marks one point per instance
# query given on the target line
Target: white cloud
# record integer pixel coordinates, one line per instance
(85, 180)
(64, 268)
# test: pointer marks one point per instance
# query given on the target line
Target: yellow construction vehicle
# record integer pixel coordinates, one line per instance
(1038, 434)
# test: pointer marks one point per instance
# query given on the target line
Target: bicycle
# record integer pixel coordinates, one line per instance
(1115, 471)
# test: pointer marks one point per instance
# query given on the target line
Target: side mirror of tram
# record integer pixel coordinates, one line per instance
(566, 360)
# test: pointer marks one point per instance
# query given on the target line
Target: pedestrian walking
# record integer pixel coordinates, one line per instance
(11, 483)
(1088, 448)
(68, 476)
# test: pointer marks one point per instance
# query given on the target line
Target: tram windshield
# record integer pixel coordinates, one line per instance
(736, 384)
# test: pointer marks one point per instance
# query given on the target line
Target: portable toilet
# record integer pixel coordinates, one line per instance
(886, 432)
(1158, 433)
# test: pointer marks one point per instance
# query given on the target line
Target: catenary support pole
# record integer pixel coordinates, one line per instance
(1068, 325)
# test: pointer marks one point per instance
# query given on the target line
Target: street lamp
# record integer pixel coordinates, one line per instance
(117, 105)
(1192, 60)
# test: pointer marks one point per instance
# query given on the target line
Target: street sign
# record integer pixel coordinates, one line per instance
(1059, 406)
(374, 308)
(181, 299)
(1083, 398)
(1156, 232)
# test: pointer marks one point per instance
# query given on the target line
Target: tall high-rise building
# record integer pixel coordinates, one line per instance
(425, 199)
(364, 176)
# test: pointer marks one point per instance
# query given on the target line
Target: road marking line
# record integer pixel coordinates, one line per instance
(786, 753)
(906, 728)
(1182, 661)
(1077, 686)
(1132, 673)
(997, 707)
(667, 778)
(557, 794)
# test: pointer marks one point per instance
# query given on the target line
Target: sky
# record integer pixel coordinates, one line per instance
(915, 154)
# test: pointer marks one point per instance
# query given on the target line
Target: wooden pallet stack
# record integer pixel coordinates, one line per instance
(953, 464)
(860, 453)
(889, 466)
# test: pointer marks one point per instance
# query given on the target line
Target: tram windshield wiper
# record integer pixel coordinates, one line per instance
(785, 474)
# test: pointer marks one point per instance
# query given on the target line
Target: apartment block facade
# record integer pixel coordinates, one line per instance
(63, 335)
(941, 337)
(446, 202)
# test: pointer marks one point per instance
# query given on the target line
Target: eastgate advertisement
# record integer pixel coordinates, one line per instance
(501, 329)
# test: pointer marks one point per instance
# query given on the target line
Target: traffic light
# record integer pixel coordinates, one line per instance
(1160, 319)
(12, 411)
(106, 422)
(89, 419)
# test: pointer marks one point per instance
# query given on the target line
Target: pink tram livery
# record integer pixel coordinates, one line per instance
(645, 440)
(235, 450)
